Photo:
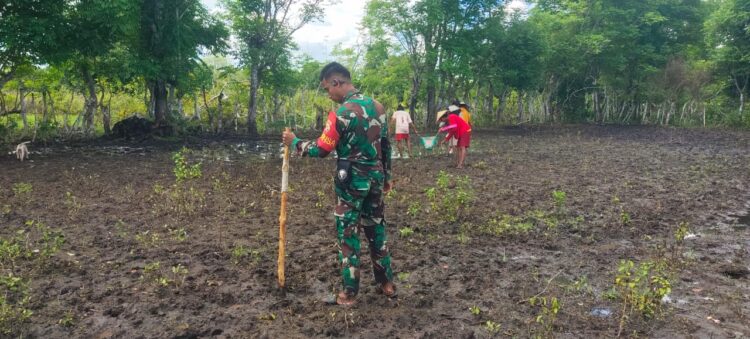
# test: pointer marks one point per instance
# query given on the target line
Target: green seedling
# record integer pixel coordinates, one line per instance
(182, 170)
(492, 327)
(405, 232)
(475, 310)
(560, 198)
(68, 319)
(403, 276)
(549, 307)
(681, 232)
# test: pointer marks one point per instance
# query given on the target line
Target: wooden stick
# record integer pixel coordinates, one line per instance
(282, 216)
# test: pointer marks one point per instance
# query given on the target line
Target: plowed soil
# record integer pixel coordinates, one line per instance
(626, 190)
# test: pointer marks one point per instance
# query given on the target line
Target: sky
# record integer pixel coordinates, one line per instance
(319, 38)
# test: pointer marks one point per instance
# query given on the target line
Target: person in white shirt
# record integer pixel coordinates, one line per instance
(401, 120)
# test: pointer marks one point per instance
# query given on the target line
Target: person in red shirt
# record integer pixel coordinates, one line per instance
(458, 128)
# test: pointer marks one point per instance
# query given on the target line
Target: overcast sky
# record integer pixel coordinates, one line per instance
(318, 39)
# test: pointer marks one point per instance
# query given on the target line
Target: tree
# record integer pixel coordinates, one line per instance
(28, 31)
(264, 29)
(729, 37)
(171, 37)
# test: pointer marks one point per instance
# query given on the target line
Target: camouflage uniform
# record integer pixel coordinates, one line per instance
(355, 132)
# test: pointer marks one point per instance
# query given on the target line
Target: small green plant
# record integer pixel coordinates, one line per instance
(475, 310)
(403, 276)
(71, 204)
(148, 239)
(152, 273)
(549, 307)
(22, 192)
(182, 170)
(405, 232)
(492, 327)
(414, 209)
(14, 298)
(179, 274)
(560, 198)
(463, 238)
(179, 235)
(241, 253)
(451, 197)
(641, 288)
(67, 320)
(580, 284)
(624, 218)
(321, 203)
(507, 224)
(22, 188)
(681, 232)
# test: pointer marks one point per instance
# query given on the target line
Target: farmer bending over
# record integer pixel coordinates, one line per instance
(459, 129)
(401, 120)
(358, 132)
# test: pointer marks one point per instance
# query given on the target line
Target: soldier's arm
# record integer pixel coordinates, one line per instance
(325, 144)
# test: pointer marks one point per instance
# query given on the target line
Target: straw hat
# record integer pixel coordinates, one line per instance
(441, 114)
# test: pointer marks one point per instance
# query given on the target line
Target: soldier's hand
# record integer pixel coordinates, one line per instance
(287, 138)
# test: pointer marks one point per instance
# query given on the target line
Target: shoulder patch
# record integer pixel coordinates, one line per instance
(327, 141)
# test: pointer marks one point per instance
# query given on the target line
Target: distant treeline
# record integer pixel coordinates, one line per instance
(76, 67)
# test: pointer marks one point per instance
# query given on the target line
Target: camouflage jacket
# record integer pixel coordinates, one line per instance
(354, 132)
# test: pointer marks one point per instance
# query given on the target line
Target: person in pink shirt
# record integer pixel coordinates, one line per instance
(458, 128)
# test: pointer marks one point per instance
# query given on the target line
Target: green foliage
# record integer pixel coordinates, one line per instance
(641, 287)
(475, 310)
(548, 307)
(14, 300)
(560, 198)
(242, 254)
(148, 239)
(22, 189)
(403, 276)
(182, 170)
(179, 234)
(414, 209)
(179, 273)
(624, 218)
(507, 224)
(72, 204)
(405, 232)
(68, 319)
(492, 327)
(681, 232)
(451, 197)
(35, 242)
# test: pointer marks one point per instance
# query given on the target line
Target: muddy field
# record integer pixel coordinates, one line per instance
(110, 244)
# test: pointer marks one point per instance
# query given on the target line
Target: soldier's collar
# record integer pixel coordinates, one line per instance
(351, 94)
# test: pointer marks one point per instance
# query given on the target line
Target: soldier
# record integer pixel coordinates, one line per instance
(358, 132)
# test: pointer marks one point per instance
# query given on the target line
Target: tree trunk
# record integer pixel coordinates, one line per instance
(160, 102)
(415, 82)
(520, 107)
(24, 119)
(741, 91)
(180, 108)
(220, 112)
(252, 126)
(107, 116)
(91, 100)
(196, 108)
(66, 122)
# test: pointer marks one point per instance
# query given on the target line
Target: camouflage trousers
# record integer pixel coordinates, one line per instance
(360, 207)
